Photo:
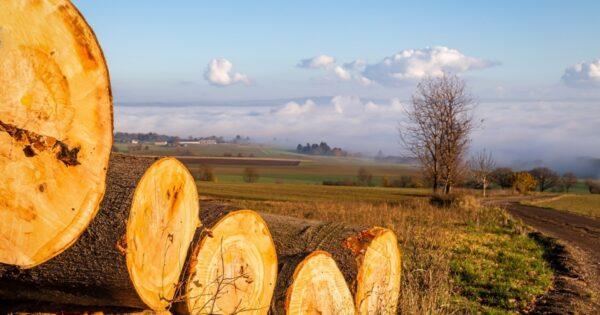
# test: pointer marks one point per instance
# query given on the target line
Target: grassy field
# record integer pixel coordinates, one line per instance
(292, 192)
(585, 204)
(311, 170)
(211, 150)
(465, 259)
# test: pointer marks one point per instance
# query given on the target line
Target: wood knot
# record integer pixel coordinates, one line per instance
(122, 244)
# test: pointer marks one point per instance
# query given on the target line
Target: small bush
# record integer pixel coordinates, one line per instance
(407, 181)
(339, 183)
(445, 200)
(385, 182)
(206, 174)
(524, 182)
(593, 186)
(364, 177)
(251, 175)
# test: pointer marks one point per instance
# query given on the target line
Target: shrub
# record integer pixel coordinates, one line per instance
(524, 182)
(364, 177)
(503, 177)
(385, 182)
(445, 200)
(206, 174)
(593, 186)
(250, 175)
(339, 183)
(406, 181)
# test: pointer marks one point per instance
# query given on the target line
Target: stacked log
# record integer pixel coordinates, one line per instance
(55, 129)
(134, 250)
(233, 266)
(368, 258)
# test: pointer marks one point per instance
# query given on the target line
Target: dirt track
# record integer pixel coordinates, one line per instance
(580, 257)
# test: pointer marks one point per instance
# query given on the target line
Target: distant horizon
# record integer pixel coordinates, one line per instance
(344, 72)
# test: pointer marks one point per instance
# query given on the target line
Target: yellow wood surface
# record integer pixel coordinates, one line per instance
(319, 287)
(164, 216)
(379, 274)
(235, 268)
(54, 99)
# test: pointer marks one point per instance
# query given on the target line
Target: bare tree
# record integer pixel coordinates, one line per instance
(482, 165)
(568, 180)
(438, 128)
(545, 177)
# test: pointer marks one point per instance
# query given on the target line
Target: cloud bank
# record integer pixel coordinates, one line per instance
(405, 66)
(511, 129)
(219, 73)
(583, 74)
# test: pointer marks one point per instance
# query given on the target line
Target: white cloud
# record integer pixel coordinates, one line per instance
(407, 65)
(293, 108)
(583, 74)
(342, 74)
(415, 64)
(218, 72)
(317, 62)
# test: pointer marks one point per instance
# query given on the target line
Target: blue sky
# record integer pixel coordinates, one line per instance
(150, 43)
(211, 53)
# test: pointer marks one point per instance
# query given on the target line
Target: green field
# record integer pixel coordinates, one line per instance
(208, 150)
(292, 192)
(587, 204)
(312, 169)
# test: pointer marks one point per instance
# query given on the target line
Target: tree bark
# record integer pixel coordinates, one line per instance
(94, 271)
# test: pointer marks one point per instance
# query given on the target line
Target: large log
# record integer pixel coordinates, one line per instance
(134, 250)
(232, 268)
(55, 128)
(369, 258)
(313, 284)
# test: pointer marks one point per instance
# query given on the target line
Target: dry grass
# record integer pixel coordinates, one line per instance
(433, 245)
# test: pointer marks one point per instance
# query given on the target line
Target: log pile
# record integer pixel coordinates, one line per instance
(84, 230)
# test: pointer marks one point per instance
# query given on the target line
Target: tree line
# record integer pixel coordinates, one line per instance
(320, 149)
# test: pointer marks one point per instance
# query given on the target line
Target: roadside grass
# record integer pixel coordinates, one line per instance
(588, 205)
(497, 268)
(464, 259)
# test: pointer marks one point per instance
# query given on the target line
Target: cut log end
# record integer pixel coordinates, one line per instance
(378, 287)
(55, 129)
(161, 226)
(318, 287)
(234, 267)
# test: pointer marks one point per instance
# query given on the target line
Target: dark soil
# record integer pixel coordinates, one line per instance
(572, 245)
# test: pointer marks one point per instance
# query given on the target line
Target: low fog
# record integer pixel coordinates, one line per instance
(521, 134)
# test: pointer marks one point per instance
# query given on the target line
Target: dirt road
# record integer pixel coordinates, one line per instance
(580, 236)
